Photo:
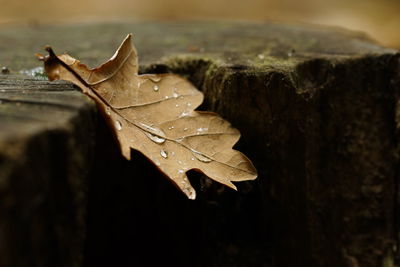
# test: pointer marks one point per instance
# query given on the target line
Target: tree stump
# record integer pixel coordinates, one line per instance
(318, 109)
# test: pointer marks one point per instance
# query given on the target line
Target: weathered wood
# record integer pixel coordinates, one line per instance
(43, 170)
(318, 113)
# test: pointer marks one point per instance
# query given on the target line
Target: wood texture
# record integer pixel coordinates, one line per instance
(318, 112)
(46, 132)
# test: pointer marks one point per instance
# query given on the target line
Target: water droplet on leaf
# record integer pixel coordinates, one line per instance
(118, 125)
(201, 157)
(152, 130)
(184, 114)
(155, 138)
(156, 88)
(164, 153)
(155, 134)
(155, 78)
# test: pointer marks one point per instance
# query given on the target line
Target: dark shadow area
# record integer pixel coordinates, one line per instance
(136, 217)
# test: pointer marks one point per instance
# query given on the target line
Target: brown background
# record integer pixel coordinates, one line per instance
(379, 18)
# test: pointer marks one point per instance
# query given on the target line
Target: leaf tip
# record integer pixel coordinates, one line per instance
(191, 194)
(50, 51)
(128, 37)
(40, 57)
(189, 191)
(231, 185)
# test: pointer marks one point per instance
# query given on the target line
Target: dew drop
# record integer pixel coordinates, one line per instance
(201, 157)
(152, 130)
(156, 88)
(184, 114)
(175, 95)
(176, 105)
(189, 104)
(154, 134)
(118, 125)
(181, 171)
(108, 111)
(192, 158)
(171, 127)
(155, 138)
(155, 78)
(164, 153)
(201, 130)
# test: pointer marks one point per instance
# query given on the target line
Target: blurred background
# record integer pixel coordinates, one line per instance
(379, 18)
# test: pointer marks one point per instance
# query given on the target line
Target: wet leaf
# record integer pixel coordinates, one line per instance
(155, 115)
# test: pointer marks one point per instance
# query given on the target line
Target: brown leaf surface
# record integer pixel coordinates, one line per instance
(155, 115)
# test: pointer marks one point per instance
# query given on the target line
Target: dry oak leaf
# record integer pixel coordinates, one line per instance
(155, 115)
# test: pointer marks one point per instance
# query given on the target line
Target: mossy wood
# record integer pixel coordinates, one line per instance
(318, 111)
